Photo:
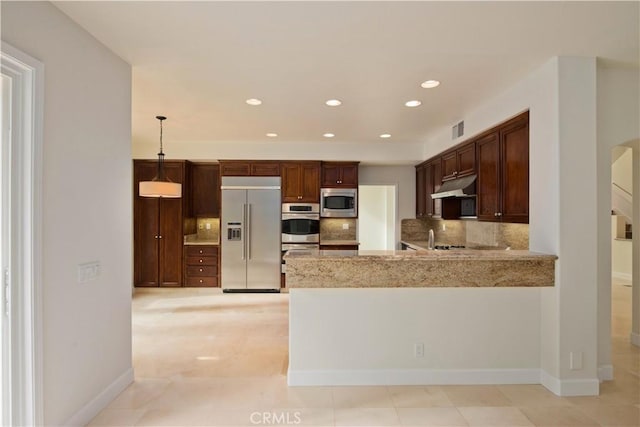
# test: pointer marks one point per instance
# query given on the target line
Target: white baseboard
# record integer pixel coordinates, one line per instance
(413, 377)
(583, 387)
(605, 372)
(98, 403)
(622, 276)
(635, 339)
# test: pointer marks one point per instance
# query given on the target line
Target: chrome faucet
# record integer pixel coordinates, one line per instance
(431, 243)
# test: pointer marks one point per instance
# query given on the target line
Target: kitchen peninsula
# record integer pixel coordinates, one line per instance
(416, 317)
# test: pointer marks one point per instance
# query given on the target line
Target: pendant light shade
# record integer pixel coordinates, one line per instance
(160, 185)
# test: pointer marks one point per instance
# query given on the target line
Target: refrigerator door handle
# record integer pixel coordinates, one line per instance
(244, 231)
(249, 231)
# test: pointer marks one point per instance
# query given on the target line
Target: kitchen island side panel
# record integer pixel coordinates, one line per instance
(369, 336)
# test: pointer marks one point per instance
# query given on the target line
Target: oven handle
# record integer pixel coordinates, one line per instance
(300, 216)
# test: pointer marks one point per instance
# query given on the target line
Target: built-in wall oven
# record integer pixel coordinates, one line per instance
(300, 223)
(300, 227)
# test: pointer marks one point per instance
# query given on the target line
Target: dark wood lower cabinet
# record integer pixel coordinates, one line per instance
(201, 266)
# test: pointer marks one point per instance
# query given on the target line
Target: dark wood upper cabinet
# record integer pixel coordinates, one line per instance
(459, 162)
(249, 168)
(466, 160)
(503, 172)
(205, 189)
(449, 165)
(424, 189)
(488, 184)
(421, 190)
(157, 234)
(339, 175)
(300, 182)
(500, 158)
(514, 153)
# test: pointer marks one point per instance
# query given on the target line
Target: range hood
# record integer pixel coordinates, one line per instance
(460, 187)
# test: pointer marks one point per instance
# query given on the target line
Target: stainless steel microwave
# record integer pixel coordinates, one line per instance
(339, 202)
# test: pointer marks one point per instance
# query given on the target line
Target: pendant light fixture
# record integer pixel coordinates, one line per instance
(160, 185)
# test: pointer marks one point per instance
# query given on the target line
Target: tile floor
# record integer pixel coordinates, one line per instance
(203, 358)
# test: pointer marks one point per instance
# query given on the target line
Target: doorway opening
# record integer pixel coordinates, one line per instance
(20, 232)
(377, 213)
(625, 211)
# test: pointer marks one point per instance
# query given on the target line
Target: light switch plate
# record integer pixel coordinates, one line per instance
(88, 271)
(345, 226)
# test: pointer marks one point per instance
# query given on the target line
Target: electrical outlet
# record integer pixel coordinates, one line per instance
(208, 226)
(444, 227)
(419, 349)
(575, 361)
(345, 226)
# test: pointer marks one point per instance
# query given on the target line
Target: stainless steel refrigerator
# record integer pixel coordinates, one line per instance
(250, 234)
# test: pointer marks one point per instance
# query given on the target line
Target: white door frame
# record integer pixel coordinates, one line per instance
(25, 210)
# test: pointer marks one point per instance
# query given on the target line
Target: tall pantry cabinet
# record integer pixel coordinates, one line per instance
(158, 228)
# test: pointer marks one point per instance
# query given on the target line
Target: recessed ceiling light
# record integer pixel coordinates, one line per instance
(385, 135)
(272, 135)
(328, 135)
(333, 102)
(413, 103)
(253, 101)
(430, 84)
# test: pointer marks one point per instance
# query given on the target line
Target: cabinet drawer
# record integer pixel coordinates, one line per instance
(195, 260)
(202, 281)
(204, 270)
(200, 251)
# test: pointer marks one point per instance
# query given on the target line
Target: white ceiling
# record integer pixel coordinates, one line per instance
(197, 62)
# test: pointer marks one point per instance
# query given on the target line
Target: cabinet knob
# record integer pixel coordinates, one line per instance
(200, 250)
(499, 213)
(200, 260)
(200, 280)
(155, 237)
(200, 270)
(495, 214)
(159, 237)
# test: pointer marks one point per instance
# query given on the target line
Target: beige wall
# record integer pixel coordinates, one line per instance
(87, 212)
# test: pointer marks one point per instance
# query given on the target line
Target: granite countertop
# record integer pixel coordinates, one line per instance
(418, 269)
(339, 242)
(192, 239)
(431, 255)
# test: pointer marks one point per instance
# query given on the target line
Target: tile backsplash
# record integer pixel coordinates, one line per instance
(332, 229)
(208, 229)
(468, 233)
